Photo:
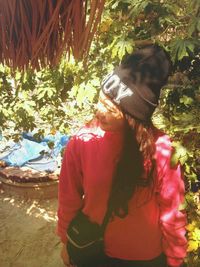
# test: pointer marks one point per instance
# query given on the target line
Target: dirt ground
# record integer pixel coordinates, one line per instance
(27, 232)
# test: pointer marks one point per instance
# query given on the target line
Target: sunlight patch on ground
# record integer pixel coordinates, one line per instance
(45, 209)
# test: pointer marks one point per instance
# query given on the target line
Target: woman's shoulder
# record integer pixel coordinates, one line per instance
(163, 143)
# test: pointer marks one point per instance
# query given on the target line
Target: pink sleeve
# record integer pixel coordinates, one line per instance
(173, 221)
(70, 189)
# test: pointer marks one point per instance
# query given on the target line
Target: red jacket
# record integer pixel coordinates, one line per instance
(154, 223)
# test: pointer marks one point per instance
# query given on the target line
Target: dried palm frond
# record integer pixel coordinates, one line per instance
(36, 32)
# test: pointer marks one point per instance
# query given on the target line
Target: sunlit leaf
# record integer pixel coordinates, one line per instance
(192, 246)
(122, 47)
(186, 100)
(179, 154)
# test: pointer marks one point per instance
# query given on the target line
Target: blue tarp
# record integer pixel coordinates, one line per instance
(37, 155)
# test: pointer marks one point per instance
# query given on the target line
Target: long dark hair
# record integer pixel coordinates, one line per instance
(130, 171)
(150, 66)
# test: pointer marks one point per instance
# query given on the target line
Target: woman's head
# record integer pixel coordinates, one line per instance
(135, 85)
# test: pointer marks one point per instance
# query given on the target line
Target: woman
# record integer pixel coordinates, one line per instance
(120, 159)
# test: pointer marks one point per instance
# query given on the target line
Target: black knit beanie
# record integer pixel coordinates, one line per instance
(136, 83)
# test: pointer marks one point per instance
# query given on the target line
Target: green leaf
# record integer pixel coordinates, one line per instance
(180, 48)
(139, 6)
(51, 91)
(41, 95)
(186, 100)
(182, 52)
(95, 82)
(174, 160)
(192, 177)
(2, 68)
(192, 26)
(122, 47)
(115, 5)
(179, 154)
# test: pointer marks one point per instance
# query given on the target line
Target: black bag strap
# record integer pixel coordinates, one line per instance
(106, 219)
